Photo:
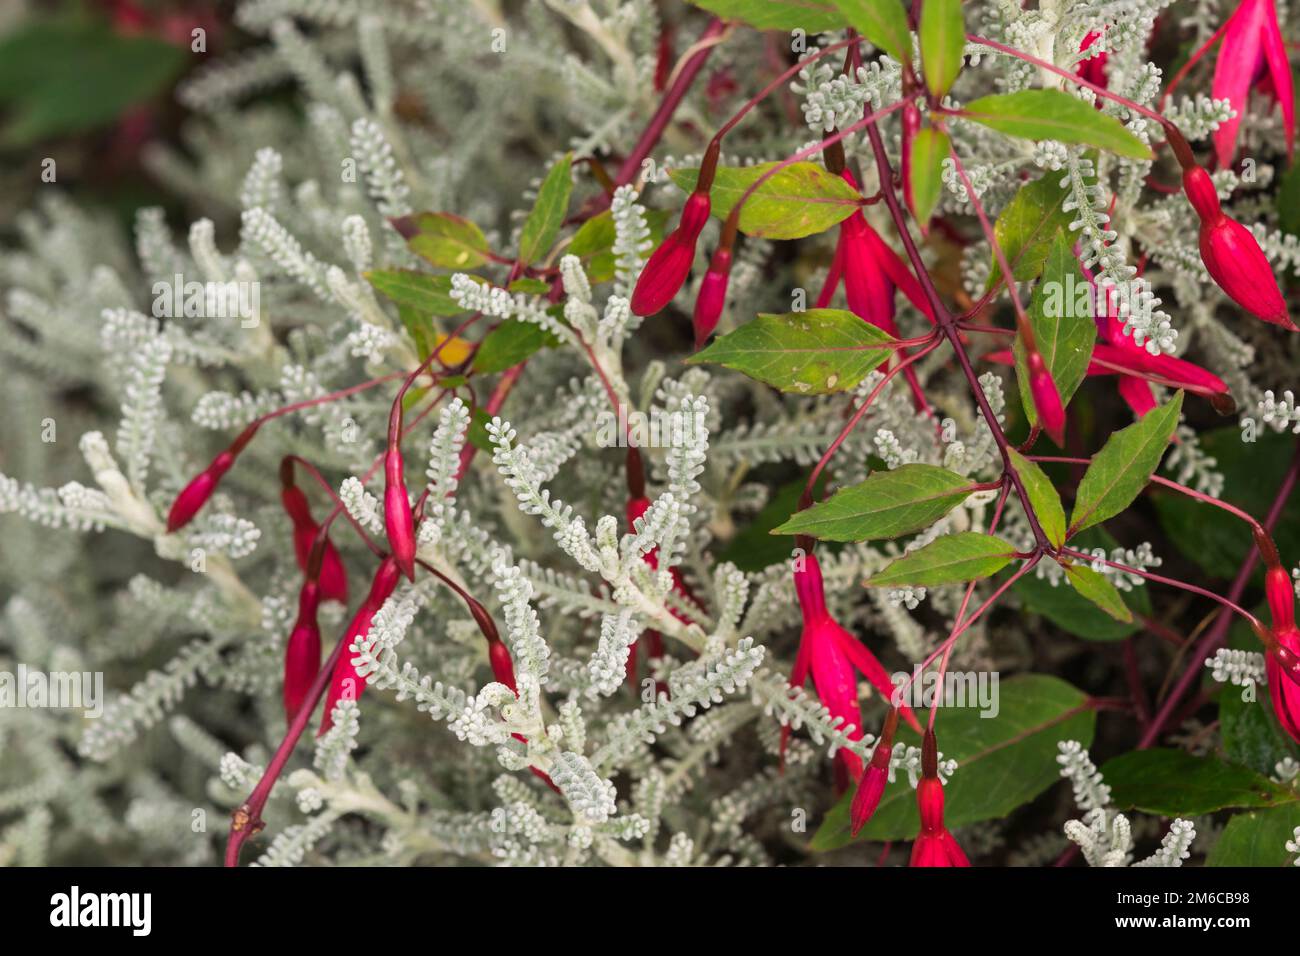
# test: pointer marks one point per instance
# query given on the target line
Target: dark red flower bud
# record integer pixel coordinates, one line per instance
(333, 575)
(872, 785)
(398, 520)
(302, 653)
(670, 264)
(345, 681)
(1232, 255)
(712, 296)
(196, 494)
(1047, 400)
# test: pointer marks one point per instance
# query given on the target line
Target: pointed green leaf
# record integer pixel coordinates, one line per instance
(943, 37)
(952, 559)
(929, 148)
(1257, 838)
(1055, 114)
(886, 505)
(1061, 318)
(883, 22)
(1123, 467)
(508, 344)
(444, 240)
(811, 16)
(1176, 783)
(1068, 610)
(552, 205)
(802, 199)
(593, 243)
(421, 291)
(1096, 588)
(1027, 227)
(1004, 761)
(1042, 497)
(817, 352)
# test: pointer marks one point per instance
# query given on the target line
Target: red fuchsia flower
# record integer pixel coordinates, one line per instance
(398, 520)
(830, 654)
(1093, 69)
(1252, 44)
(670, 264)
(1282, 665)
(196, 494)
(345, 681)
(871, 787)
(1232, 256)
(1047, 399)
(333, 576)
(934, 845)
(712, 296)
(302, 652)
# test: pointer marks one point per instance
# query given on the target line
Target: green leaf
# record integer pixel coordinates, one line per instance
(883, 22)
(1253, 461)
(943, 38)
(817, 352)
(1094, 586)
(1042, 497)
(59, 77)
(1054, 114)
(508, 344)
(1027, 228)
(802, 199)
(1003, 761)
(812, 16)
(886, 505)
(929, 148)
(444, 240)
(1258, 838)
(1063, 327)
(1122, 468)
(952, 559)
(416, 290)
(593, 243)
(477, 434)
(1250, 734)
(544, 222)
(1176, 783)
(1067, 609)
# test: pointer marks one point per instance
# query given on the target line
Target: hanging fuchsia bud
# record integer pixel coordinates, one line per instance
(1232, 256)
(712, 296)
(670, 264)
(934, 845)
(1047, 400)
(872, 785)
(196, 494)
(398, 520)
(345, 682)
(333, 576)
(302, 653)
